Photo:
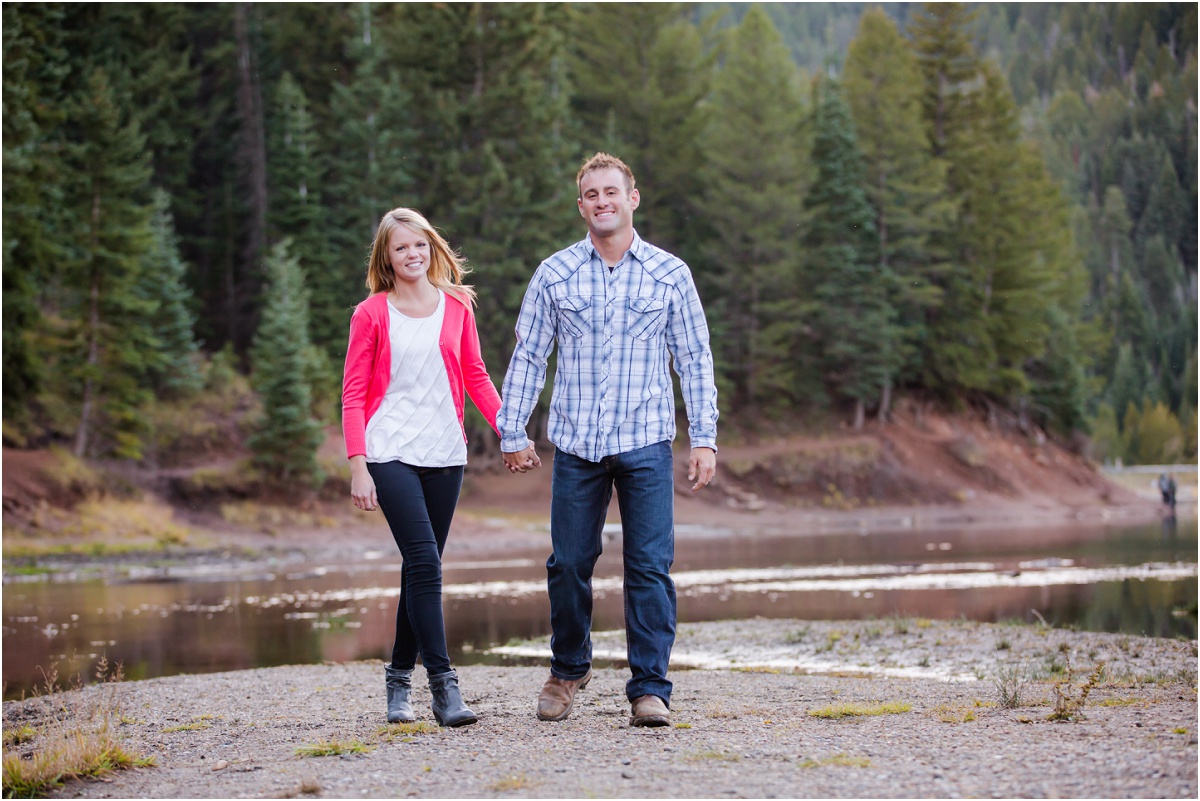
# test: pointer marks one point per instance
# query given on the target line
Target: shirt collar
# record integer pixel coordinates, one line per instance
(636, 248)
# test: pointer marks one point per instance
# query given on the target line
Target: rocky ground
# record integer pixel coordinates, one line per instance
(756, 730)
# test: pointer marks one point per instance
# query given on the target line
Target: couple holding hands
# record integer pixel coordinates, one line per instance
(619, 310)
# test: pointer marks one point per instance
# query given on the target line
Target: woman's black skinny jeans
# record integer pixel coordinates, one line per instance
(418, 503)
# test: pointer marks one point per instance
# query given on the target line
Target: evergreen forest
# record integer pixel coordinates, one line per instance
(983, 206)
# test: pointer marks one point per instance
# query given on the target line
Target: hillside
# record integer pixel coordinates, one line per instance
(921, 470)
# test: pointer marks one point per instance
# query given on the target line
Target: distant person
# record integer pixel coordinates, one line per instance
(413, 348)
(618, 309)
(1168, 487)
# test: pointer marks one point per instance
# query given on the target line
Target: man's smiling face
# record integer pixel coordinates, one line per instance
(605, 202)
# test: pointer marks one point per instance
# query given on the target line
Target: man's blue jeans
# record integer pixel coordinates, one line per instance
(645, 494)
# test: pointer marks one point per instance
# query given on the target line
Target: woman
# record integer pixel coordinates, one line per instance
(413, 348)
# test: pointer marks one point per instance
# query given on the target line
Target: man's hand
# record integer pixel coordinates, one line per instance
(702, 467)
(521, 461)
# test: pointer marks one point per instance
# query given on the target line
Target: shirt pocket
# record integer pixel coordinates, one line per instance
(573, 314)
(646, 317)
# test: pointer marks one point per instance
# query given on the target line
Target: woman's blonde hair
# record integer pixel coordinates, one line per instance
(446, 268)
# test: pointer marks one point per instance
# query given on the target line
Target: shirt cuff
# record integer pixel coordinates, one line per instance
(514, 444)
(705, 442)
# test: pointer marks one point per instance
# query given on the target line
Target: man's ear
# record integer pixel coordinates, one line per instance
(635, 199)
(579, 205)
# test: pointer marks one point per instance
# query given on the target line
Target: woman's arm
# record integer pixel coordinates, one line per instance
(360, 362)
(475, 375)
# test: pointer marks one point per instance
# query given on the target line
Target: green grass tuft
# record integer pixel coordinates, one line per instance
(334, 748)
(838, 711)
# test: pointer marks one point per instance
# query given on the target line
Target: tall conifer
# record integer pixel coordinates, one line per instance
(753, 186)
(852, 320)
(905, 184)
(287, 436)
(108, 196)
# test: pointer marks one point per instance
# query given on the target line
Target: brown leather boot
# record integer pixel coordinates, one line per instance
(558, 696)
(650, 710)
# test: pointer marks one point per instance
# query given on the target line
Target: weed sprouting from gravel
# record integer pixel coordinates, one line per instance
(1010, 681)
(1068, 699)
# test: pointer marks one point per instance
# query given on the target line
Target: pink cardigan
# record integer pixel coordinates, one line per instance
(369, 366)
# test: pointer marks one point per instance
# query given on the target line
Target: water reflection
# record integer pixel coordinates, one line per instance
(168, 622)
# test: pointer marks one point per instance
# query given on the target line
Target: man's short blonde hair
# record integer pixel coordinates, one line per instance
(603, 161)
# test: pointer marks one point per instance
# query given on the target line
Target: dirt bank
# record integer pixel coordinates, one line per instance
(757, 732)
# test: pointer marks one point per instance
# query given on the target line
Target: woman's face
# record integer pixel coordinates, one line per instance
(408, 253)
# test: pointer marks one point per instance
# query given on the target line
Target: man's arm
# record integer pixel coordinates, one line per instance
(687, 338)
(526, 376)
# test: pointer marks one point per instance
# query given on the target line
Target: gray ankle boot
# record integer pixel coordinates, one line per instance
(448, 706)
(399, 685)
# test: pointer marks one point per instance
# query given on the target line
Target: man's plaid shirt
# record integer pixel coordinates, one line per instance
(616, 332)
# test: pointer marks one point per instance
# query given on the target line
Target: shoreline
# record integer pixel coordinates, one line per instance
(755, 731)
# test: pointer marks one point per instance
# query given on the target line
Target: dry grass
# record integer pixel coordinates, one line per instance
(717, 756)
(516, 781)
(842, 759)
(954, 713)
(404, 731)
(76, 738)
(334, 748)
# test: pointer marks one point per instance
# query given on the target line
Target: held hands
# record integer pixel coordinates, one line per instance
(522, 461)
(362, 486)
(702, 467)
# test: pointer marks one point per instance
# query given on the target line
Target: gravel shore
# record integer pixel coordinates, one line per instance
(756, 728)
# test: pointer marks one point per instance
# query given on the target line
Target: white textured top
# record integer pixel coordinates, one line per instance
(416, 423)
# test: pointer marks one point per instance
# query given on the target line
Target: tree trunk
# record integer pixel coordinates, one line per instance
(885, 402)
(252, 153)
(93, 337)
(860, 414)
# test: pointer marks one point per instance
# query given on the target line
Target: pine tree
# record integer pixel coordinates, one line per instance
(110, 174)
(286, 438)
(658, 67)
(905, 185)
(852, 321)
(369, 172)
(297, 209)
(941, 36)
(753, 185)
(175, 358)
(34, 73)
(491, 162)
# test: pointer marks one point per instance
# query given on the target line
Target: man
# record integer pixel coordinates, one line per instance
(618, 309)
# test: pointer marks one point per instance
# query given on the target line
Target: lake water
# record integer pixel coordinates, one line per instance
(163, 622)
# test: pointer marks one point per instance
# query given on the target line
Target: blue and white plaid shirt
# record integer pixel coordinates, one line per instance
(616, 333)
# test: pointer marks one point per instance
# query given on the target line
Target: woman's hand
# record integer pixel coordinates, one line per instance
(362, 486)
